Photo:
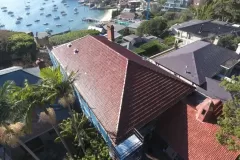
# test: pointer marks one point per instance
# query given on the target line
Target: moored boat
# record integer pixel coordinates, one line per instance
(19, 18)
(18, 22)
(28, 25)
(56, 17)
(70, 20)
(45, 24)
(41, 8)
(3, 7)
(58, 25)
(48, 15)
(37, 20)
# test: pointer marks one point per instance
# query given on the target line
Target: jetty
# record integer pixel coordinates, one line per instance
(90, 20)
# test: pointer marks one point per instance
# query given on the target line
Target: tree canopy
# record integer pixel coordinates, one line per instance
(21, 43)
(224, 10)
(229, 132)
(229, 41)
(155, 26)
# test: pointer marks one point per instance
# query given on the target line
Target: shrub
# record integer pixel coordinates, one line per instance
(70, 36)
(169, 41)
(139, 51)
(150, 48)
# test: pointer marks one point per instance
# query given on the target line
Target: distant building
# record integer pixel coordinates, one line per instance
(127, 16)
(195, 30)
(173, 5)
(134, 4)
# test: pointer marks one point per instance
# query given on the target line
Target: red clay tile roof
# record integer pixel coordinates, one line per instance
(123, 90)
(192, 139)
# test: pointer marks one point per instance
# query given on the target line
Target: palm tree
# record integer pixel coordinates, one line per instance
(53, 81)
(86, 132)
(10, 130)
(33, 96)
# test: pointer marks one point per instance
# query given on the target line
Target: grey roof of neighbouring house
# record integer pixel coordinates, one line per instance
(207, 28)
(135, 25)
(213, 89)
(117, 27)
(34, 71)
(18, 75)
(134, 39)
(197, 60)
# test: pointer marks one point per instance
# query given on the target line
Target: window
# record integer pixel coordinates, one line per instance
(203, 112)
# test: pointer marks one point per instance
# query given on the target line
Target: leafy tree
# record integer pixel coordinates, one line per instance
(225, 10)
(229, 41)
(155, 26)
(21, 44)
(171, 15)
(11, 120)
(4, 55)
(203, 12)
(70, 36)
(229, 132)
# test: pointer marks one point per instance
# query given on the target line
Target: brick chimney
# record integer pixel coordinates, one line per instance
(110, 32)
(205, 110)
(40, 63)
(238, 49)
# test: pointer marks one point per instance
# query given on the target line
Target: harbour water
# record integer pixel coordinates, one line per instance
(71, 20)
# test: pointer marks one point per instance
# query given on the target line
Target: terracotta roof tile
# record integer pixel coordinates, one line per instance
(192, 139)
(123, 90)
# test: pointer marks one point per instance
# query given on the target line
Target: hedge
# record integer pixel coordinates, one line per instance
(169, 41)
(139, 51)
(70, 36)
(151, 48)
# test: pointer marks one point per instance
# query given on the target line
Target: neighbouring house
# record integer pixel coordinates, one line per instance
(202, 65)
(122, 4)
(133, 41)
(42, 135)
(127, 16)
(187, 131)
(134, 4)
(120, 92)
(42, 38)
(133, 26)
(117, 29)
(196, 30)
